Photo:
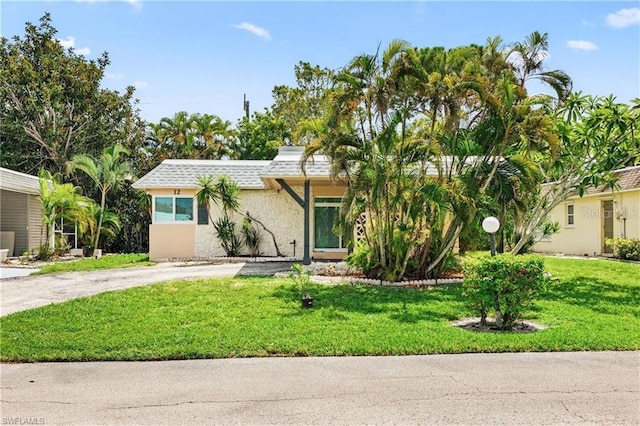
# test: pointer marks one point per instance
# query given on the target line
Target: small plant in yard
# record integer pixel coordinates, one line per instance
(506, 284)
(300, 277)
(625, 248)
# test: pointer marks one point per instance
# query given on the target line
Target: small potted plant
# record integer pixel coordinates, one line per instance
(300, 276)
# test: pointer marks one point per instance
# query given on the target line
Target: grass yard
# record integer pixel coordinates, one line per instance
(595, 305)
(111, 261)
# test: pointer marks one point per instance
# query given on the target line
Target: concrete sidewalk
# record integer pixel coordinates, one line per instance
(468, 389)
(19, 294)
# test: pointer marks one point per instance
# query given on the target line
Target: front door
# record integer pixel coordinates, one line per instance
(607, 225)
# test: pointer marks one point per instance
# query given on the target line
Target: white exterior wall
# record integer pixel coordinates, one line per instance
(586, 237)
(276, 209)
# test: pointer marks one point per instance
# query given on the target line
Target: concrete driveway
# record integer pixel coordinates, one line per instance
(21, 293)
(469, 389)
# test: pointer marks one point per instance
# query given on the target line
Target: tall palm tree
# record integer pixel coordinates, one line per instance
(212, 134)
(107, 172)
(179, 134)
(527, 59)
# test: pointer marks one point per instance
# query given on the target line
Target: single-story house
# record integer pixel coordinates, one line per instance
(586, 222)
(20, 212)
(299, 208)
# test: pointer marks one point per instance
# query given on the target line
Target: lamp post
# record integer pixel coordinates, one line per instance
(491, 226)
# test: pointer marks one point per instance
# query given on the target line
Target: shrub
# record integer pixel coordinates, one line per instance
(251, 237)
(226, 233)
(625, 248)
(506, 284)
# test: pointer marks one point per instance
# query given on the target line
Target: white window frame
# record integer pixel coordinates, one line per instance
(571, 215)
(337, 204)
(194, 211)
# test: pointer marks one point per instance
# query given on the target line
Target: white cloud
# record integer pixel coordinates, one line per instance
(113, 76)
(140, 84)
(624, 18)
(582, 45)
(260, 32)
(587, 23)
(70, 43)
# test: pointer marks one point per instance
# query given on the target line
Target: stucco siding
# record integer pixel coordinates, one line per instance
(13, 217)
(275, 209)
(630, 209)
(586, 236)
(168, 241)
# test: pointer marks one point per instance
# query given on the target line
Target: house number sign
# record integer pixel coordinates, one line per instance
(176, 192)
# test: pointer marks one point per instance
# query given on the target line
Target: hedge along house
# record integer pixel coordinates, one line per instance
(20, 212)
(299, 208)
(588, 221)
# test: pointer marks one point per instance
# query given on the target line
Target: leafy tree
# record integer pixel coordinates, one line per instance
(596, 136)
(108, 172)
(53, 107)
(260, 137)
(293, 105)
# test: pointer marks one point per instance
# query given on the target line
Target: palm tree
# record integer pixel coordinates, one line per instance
(212, 135)
(107, 172)
(527, 59)
(178, 133)
(60, 201)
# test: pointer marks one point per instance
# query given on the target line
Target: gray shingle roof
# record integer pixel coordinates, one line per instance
(292, 169)
(185, 173)
(628, 178)
(19, 182)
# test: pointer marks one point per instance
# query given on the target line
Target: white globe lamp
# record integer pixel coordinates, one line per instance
(491, 226)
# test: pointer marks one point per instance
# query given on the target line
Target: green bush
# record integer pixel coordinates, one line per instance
(625, 248)
(506, 284)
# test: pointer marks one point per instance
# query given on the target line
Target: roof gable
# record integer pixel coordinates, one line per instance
(185, 173)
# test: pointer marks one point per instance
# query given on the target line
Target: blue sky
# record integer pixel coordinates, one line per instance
(202, 56)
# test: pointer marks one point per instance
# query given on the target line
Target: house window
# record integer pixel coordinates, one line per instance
(173, 209)
(326, 211)
(203, 214)
(570, 215)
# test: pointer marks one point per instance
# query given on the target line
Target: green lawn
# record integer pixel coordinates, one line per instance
(111, 261)
(595, 305)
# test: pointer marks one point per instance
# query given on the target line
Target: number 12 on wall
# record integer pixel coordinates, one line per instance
(176, 192)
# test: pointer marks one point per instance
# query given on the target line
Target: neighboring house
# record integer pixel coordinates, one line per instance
(587, 221)
(299, 208)
(20, 212)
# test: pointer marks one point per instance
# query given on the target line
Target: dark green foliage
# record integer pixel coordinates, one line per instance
(53, 106)
(228, 236)
(260, 137)
(505, 284)
(251, 237)
(625, 248)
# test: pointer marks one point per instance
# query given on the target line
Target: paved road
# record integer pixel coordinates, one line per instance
(19, 294)
(470, 389)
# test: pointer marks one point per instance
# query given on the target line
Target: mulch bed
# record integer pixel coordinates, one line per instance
(473, 324)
